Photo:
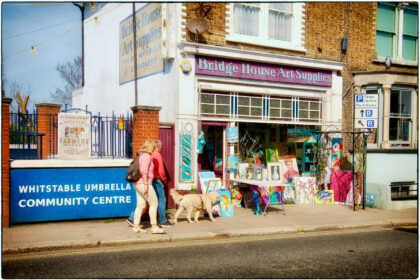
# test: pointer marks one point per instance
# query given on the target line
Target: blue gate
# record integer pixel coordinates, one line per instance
(24, 136)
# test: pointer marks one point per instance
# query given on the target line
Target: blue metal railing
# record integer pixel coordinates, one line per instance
(111, 137)
(25, 141)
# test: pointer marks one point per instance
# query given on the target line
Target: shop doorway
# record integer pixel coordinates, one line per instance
(212, 157)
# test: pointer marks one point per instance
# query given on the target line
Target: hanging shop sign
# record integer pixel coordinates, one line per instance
(69, 193)
(366, 108)
(149, 23)
(261, 71)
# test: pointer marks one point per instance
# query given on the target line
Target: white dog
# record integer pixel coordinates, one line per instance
(194, 202)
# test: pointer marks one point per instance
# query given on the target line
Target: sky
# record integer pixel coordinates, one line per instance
(54, 28)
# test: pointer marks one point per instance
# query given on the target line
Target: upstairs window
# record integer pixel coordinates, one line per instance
(267, 24)
(397, 32)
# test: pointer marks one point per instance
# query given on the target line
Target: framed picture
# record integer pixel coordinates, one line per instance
(274, 171)
(242, 170)
(250, 173)
(272, 155)
(258, 173)
(225, 203)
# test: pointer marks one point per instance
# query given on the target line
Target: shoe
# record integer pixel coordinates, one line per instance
(158, 230)
(166, 224)
(130, 222)
(136, 230)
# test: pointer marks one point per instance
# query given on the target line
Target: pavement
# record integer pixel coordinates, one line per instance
(295, 218)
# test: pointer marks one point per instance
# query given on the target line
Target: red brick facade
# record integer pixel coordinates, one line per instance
(145, 125)
(47, 116)
(5, 160)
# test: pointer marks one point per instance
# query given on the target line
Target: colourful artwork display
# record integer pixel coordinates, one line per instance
(225, 203)
(186, 148)
(342, 185)
(324, 197)
(232, 163)
(233, 134)
(289, 194)
(204, 180)
(242, 170)
(305, 189)
(337, 153)
(275, 171)
(289, 169)
(236, 197)
(272, 155)
(370, 199)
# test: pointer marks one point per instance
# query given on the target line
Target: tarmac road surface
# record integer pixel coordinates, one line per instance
(355, 253)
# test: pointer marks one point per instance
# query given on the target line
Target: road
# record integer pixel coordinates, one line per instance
(357, 253)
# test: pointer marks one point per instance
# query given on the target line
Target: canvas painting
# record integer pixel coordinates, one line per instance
(214, 185)
(274, 171)
(289, 194)
(272, 155)
(225, 203)
(204, 180)
(232, 163)
(337, 154)
(289, 169)
(370, 199)
(324, 197)
(305, 189)
(232, 134)
(242, 170)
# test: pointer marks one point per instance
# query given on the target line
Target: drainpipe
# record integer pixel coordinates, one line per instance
(135, 54)
(82, 9)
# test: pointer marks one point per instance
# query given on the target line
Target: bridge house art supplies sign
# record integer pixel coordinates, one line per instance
(73, 136)
(69, 193)
(262, 72)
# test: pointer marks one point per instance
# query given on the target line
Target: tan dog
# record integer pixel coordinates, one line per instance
(194, 202)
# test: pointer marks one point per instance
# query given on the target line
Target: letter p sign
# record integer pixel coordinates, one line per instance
(359, 98)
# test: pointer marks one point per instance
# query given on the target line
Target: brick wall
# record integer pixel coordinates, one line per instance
(5, 160)
(326, 24)
(145, 125)
(47, 118)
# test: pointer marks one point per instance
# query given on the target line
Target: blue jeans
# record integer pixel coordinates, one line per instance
(160, 192)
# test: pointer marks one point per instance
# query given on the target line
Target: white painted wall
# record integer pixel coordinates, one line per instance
(384, 168)
(102, 91)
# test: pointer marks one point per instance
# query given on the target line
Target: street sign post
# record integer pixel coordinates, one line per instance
(366, 107)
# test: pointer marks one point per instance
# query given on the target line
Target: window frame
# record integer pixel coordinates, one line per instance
(403, 143)
(397, 35)
(297, 42)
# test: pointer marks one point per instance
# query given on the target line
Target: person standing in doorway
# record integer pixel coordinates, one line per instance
(159, 181)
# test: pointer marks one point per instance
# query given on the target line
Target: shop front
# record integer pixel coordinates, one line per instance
(272, 103)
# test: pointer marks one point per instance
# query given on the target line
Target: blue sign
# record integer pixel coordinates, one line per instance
(69, 193)
(369, 113)
(370, 123)
(359, 98)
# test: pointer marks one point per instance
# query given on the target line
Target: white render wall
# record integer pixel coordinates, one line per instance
(102, 91)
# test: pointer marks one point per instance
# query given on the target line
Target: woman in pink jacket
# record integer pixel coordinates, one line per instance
(144, 189)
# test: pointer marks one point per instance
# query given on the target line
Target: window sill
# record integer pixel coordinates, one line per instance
(395, 61)
(264, 42)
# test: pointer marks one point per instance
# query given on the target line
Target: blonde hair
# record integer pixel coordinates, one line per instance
(148, 147)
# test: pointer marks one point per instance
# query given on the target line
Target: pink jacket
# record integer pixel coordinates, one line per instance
(146, 167)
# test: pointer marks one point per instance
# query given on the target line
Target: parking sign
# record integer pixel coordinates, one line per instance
(366, 108)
